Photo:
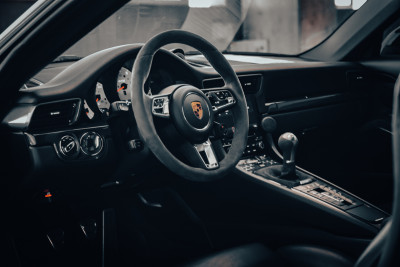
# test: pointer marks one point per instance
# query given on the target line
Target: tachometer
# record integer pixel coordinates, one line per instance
(123, 82)
(101, 99)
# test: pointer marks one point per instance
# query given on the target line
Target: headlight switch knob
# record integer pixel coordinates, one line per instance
(92, 143)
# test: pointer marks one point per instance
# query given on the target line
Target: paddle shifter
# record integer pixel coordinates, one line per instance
(288, 143)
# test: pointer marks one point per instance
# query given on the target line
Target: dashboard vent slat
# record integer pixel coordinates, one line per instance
(55, 114)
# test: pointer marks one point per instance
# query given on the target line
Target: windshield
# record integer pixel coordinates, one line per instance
(287, 27)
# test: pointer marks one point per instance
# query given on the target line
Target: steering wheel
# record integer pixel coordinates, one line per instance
(190, 111)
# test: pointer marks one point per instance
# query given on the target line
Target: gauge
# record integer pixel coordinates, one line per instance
(89, 113)
(123, 82)
(101, 98)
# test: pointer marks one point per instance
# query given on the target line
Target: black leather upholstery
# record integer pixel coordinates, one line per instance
(249, 255)
(259, 255)
(309, 256)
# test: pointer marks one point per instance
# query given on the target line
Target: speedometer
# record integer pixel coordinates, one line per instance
(123, 82)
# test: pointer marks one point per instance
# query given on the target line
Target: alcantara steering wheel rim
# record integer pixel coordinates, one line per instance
(143, 105)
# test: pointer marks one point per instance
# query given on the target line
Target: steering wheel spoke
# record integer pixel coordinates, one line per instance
(160, 106)
(221, 98)
(207, 155)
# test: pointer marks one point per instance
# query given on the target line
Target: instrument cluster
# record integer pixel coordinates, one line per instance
(115, 86)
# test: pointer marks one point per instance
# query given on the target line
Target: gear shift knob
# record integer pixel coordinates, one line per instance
(288, 143)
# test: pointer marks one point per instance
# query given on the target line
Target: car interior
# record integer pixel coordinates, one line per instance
(142, 155)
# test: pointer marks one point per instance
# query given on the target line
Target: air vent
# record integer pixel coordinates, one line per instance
(250, 83)
(55, 114)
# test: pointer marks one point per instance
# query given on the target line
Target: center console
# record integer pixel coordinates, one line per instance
(307, 185)
(280, 170)
(284, 173)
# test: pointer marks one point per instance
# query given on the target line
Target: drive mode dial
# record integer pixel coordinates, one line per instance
(68, 146)
(91, 143)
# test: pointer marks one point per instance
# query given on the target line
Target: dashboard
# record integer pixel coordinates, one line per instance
(76, 131)
(81, 116)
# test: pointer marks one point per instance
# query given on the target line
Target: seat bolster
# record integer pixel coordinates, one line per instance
(251, 255)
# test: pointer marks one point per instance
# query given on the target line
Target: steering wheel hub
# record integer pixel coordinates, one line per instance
(196, 111)
(191, 113)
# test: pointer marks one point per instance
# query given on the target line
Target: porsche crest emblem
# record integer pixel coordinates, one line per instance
(197, 109)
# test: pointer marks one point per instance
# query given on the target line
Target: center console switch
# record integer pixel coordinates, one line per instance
(327, 193)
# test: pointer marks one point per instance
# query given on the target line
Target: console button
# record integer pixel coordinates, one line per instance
(135, 145)
(260, 145)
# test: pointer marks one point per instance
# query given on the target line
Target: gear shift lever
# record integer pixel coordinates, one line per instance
(288, 143)
(285, 174)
